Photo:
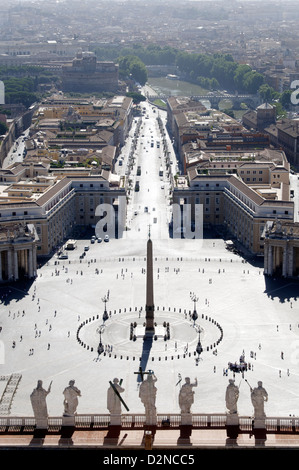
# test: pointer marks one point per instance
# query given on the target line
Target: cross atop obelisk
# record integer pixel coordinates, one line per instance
(149, 307)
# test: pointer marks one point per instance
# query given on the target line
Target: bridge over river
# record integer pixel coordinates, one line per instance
(252, 101)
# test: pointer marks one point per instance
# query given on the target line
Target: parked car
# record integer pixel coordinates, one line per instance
(106, 238)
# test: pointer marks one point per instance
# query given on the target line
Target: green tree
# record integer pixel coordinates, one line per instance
(132, 66)
(3, 128)
(285, 98)
(267, 93)
(137, 97)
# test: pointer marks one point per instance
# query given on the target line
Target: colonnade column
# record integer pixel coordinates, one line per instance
(266, 251)
(30, 262)
(284, 261)
(270, 260)
(9, 265)
(15, 265)
(290, 270)
(34, 260)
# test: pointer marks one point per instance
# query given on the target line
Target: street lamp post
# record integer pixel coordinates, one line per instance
(105, 314)
(194, 314)
(100, 346)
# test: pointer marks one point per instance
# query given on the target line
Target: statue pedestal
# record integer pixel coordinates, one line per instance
(148, 437)
(68, 427)
(232, 426)
(112, 437)
(41, 428)
(115, 420)
(68, 420)
(259, 423)
(185, 429)
(259, 431)
(41, 423)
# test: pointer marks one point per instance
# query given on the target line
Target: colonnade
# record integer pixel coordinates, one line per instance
(281, 257)
(17, 262)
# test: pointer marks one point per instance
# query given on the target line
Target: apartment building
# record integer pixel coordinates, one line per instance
(54, 205)
(240, 209)
(77, 123)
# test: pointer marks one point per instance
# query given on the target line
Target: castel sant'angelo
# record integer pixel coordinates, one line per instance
(85, 74)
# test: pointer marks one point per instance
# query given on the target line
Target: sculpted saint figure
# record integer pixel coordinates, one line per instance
(231, 397)
(258, 398)
(147, 394)
(186, 396)
(71, 394)
(113, 400)
(38, 400)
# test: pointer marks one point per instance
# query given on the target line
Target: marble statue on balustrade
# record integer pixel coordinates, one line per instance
(231, 397)
(147, 394)
(114, 398)
(186, 396)
(258, 398)
(71, 394)
(39, 404)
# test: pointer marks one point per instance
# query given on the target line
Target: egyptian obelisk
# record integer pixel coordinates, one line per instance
(149, 307)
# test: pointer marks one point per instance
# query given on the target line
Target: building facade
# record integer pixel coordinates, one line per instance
(17, 251)
(231, 205)
(86, 75)
(281, 251)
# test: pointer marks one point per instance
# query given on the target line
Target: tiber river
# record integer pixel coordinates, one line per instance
(164, 86)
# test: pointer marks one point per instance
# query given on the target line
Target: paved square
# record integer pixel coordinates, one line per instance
(256, 317)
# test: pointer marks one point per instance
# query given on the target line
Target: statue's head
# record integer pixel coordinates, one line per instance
(187, 380)
(39, 383)
(115, 381)
(260, 383)
(231, 381)
(71, 382)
